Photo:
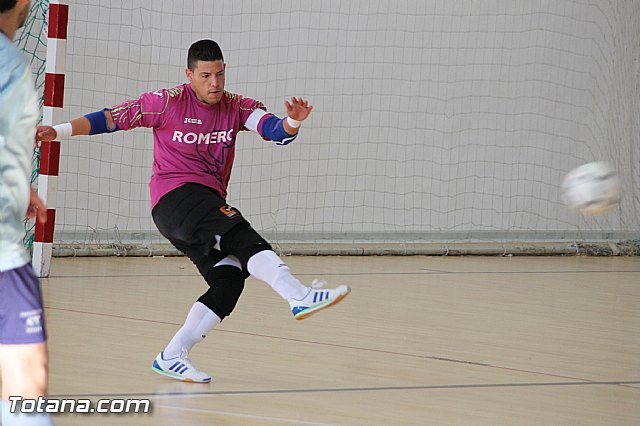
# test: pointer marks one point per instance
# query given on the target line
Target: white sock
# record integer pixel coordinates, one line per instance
(22, 419)
(200, 321)
(268, 267)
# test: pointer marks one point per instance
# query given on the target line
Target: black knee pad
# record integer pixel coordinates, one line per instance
(225, 287)
(243, 241)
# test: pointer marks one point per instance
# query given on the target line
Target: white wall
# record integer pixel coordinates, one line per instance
(429, 117)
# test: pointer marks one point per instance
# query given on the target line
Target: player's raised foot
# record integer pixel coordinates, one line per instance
(179, 368)
(317, 299)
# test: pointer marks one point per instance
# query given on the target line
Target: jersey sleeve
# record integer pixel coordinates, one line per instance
(146, 111)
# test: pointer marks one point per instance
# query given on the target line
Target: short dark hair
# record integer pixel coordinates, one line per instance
(6, 5)
(203, 50)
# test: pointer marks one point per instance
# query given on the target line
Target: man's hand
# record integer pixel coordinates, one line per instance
(298, 108)
(36, 207)
(46, 133)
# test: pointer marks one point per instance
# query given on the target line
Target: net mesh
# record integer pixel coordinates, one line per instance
(433, 122)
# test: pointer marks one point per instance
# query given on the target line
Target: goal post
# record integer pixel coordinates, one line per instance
(52, 83)
(438, 127)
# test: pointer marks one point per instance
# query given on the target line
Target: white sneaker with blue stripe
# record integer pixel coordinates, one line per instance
(179, 368)
(317, 299)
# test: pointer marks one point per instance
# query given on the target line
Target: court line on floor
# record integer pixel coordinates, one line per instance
(350, 274)
(170, 395)
(340, 346)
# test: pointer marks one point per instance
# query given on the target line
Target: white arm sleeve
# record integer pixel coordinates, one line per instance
(254, 119)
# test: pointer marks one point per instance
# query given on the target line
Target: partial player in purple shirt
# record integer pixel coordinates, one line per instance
(195, 126)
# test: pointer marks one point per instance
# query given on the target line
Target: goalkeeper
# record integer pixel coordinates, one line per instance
(195, 126)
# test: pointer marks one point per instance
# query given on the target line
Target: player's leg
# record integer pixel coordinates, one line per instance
(24, 370)
(177, 216)
(226, 282)
(258, 258)
(23, 348)
(199, 215)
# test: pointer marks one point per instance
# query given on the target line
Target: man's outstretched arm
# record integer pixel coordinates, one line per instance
(90, 124)
(281, 131)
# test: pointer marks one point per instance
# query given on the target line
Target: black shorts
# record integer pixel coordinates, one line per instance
(191, 216)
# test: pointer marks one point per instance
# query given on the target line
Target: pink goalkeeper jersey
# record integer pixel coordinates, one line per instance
(193, 142)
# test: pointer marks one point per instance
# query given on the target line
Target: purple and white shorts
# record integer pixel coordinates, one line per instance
(21, 313)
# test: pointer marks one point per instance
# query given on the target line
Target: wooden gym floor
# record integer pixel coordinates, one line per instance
(420, 341)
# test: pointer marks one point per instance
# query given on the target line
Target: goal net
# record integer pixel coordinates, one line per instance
(436, 125)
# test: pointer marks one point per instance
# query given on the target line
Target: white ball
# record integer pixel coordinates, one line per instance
(592, 188)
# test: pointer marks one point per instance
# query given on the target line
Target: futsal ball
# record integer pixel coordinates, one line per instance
(592, 188)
